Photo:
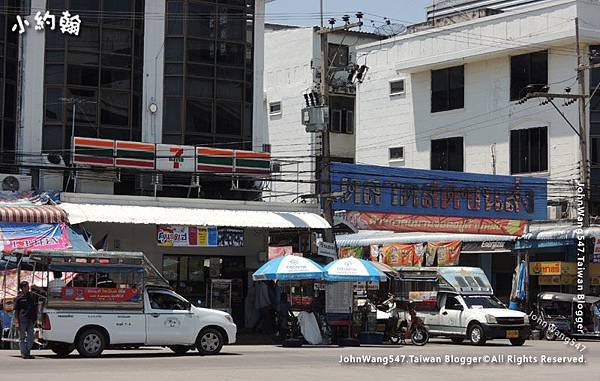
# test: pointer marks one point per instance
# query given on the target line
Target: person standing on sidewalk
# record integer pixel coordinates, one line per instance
(25, 317)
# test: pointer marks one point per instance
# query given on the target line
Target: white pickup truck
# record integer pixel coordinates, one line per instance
(464, 307)
(113, 299)
(166, 319)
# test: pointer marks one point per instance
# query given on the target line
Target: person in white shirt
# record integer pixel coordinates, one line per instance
(55, 286)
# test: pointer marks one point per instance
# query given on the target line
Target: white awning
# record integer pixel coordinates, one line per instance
(133, 214)
(381, 237)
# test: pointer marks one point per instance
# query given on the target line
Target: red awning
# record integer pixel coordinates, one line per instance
(44, 214)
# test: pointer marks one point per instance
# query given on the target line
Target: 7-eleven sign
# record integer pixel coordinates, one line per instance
(175, 158)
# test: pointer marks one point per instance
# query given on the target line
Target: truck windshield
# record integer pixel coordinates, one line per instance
(481, 301)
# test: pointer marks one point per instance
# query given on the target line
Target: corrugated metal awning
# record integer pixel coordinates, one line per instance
(43, 214)
(133, 214)
(381, 237)
(560, 233)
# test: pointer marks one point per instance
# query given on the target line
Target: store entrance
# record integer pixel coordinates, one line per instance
(197, 278)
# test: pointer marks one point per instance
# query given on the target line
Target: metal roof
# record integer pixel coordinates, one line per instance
(159, 215)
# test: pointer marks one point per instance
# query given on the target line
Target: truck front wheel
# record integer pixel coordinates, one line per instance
(209, 342)
(476, 334)
(91, 343)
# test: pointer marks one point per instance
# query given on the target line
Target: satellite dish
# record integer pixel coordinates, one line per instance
(390, 30)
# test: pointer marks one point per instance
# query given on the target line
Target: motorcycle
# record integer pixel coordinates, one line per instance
(399, 327)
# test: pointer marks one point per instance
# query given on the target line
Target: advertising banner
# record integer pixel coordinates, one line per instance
(175, 158)
(33, 236)
(448, 253)
(279, 251)
(374, 251)
(99, 294)
(398, 255)
(411, 222)
(198, 236)
(545, 268)
(379, 189)
(346, 252)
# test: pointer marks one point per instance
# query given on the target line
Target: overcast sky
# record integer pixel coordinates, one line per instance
(306, 12)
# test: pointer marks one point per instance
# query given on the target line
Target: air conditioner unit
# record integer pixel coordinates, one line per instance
(15, 183)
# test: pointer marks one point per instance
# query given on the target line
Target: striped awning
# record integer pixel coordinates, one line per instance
(44, 214)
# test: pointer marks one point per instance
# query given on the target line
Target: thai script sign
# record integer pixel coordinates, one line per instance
(370, 188)
(434, 224)
(198, 236)
(99, 294)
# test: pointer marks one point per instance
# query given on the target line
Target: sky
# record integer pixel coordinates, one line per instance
(306, 12)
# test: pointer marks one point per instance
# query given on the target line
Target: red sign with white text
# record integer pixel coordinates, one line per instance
(435, 224)
(100, 294)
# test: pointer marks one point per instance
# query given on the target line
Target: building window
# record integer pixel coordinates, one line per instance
(339, 55)
(447, 89)
(529, 150)
(341, 115)
(396, 153)
(209, 58)
(101, 69)
(595, 150)
(527, 69)
(274, 108)
(447, 154)
(397, 87)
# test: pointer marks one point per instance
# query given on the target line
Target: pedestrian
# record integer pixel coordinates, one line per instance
(25, 317)
(596, 311)
(262, 302)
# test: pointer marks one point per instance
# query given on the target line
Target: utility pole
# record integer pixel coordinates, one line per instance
(582, 127)
(324, 174)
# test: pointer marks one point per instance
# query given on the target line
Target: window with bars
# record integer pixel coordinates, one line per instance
(527, 69)
(447, 89)
(529, 150)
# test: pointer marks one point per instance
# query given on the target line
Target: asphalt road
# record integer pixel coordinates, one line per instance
(266, 363)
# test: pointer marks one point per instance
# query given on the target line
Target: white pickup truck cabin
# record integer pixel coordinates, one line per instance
(460, 304)
(116, 299)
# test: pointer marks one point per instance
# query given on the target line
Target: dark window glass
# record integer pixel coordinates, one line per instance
(231, 24)
(115, 12)
(529, 150)
(199, 117)
(52, 137)
(447, 154)
(200, 51)
(54, 74)
(201, 20)
(10, 100)
(174, 50)
(116, 79)
(397, 87)
(175, 69)
(527, 69)
(172, 115)
(55, 56)
(82, 75)
(200, 70)
(199, 88)
(338, 55)
(175, 17)
(230, 54)
(229, 118)
(88, 39)
(114, 108)
(595, 150)
(174, 86)
(447, 89)
(116, 41)
(230, 73)
(229, 90)
(79, 58)
(54, 104)
(122, 62)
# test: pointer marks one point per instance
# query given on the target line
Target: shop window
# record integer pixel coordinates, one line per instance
(447, 154)
(529, 150)
(527, 69)
(447, 89)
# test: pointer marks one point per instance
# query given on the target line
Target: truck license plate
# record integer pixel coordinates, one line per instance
(512, 334)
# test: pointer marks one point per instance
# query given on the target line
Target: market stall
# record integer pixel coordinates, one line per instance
(342, 308)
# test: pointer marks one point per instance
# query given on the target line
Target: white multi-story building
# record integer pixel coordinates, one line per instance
(292, 69)
(447, 97)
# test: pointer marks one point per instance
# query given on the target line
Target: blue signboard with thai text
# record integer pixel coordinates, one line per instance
(370, 188)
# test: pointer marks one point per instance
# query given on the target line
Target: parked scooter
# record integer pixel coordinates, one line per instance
(399, 326)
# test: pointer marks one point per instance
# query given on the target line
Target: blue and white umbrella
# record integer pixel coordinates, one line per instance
(353, 270)
(289, 267)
